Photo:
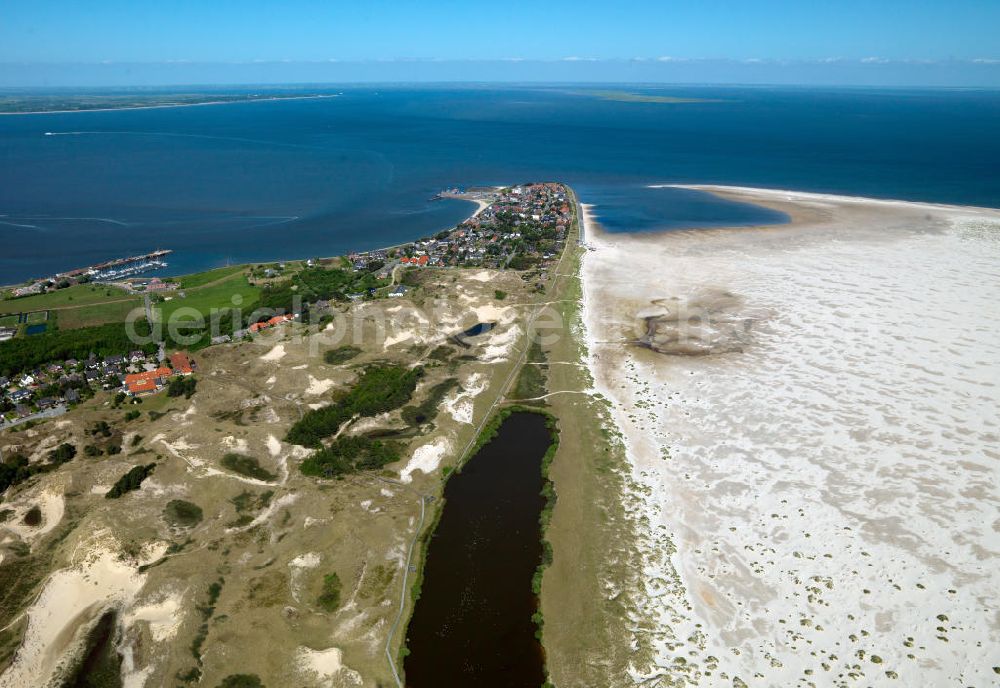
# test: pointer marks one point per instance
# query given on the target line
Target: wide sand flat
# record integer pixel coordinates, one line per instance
(815, 438)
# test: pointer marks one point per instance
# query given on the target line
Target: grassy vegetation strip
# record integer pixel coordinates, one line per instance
(241, 681)
(228, 292)
(423, 535)
(207, 611)
(200, 279)
(97, 314)
(531, 381)
(380, 389)
(77, 295)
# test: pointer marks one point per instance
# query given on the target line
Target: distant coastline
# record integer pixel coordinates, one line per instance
(158, 106)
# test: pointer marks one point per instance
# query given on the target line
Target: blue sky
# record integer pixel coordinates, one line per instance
(883, 39)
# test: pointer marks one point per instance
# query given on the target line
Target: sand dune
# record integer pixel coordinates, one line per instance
(821, 478)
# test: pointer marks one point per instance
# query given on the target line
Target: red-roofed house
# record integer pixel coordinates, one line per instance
(147, 382)
(142, 387)
(181, 363)
(276, 320)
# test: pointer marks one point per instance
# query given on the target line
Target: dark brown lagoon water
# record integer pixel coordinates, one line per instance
(472, 625)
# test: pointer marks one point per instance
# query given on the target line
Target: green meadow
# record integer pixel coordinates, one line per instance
(217, 291)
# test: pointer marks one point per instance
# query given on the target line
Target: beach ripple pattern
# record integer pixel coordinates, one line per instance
(831, 489)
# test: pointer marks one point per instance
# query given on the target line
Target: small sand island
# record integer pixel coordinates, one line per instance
(809, 412)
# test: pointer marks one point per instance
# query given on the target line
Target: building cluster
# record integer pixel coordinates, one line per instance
(152, 381)
(152, 285)
(119, 268)
(68, 382)
(256, 327)
(521, 227)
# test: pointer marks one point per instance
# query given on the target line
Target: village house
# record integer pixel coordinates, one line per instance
(148, 382)
(272, 322)
(181, 364)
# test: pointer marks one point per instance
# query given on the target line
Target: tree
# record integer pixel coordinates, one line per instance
(62, 454)
(182, 386)
(130, 481)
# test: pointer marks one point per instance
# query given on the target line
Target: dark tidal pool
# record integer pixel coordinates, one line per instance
(472, 625)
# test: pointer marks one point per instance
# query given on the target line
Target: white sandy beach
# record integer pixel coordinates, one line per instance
(814, 440)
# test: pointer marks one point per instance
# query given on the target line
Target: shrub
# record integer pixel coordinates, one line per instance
(130, 481)
(428, 408)
(247, 466)
(342, 354)
(329, 597)
(441, 353)
(182, 514)
(379, 389)
(101, 427)
(33, 517)
(348, 455)
(241, 681)
(182, 386)
(62, 454)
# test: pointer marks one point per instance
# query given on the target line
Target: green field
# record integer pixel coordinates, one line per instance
(200, 279)
(77, 295)
(87, 305)
(218, 294)
(98, 314)
(81, 305)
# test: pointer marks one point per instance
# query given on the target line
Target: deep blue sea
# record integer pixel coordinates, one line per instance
(278, 180)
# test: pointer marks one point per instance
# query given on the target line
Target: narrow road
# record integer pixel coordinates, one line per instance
(580, 228)
(53, 412)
